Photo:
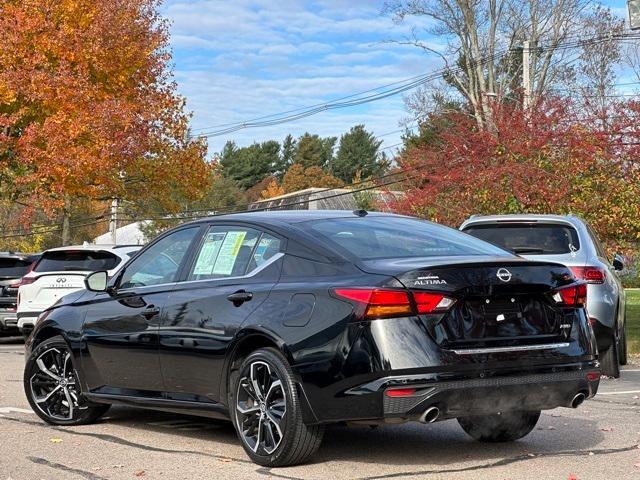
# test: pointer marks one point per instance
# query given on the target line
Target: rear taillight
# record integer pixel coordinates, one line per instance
(427, 302)
(23, 281)
(590, 274)
(572, 296)
(374, 303)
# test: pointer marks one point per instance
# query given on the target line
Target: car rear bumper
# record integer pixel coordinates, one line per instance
(478, 394)
(8, 320)
(27, 320)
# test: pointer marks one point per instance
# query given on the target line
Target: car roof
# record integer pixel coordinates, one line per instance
(527, 217)
(292, 216)
(19, 255)
(118, 250)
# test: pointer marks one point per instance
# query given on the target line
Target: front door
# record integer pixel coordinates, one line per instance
(233, 272)
(121, 327)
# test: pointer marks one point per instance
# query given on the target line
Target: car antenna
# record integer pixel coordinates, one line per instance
(360, 213)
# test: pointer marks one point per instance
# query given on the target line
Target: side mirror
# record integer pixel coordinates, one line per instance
(96, 281)
(618, 262)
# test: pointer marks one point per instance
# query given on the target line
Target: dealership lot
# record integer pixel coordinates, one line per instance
(599, 440)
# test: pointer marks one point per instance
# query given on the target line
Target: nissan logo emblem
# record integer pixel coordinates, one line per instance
(61, 280)
(504, 275)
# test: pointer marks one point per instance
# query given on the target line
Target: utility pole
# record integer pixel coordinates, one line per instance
(526, 75)
(113, 222)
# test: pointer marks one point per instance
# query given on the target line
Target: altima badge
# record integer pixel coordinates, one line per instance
(504, 274)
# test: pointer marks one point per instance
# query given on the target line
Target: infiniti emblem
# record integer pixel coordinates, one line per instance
(61, 280)
(504, 274)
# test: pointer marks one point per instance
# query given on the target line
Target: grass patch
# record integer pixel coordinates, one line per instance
(633, 321)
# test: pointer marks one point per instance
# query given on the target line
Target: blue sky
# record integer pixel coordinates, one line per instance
(241, 59)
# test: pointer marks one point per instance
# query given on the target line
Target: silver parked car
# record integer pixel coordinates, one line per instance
(568, 240)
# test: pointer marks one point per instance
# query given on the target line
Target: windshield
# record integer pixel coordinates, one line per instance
(529, 239)
(13, 267)
(370, 238)
(82, 260)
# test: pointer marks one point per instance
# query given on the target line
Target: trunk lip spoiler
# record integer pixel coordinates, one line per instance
(515, 348)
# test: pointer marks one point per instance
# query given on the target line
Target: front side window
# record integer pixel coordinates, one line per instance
(161, 262)
(229, 252)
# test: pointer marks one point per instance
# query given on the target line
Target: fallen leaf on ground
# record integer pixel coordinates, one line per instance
(55, 440)
(572, 476)
(551, 427)
(607, 429)
(225, 460)
(140, 473)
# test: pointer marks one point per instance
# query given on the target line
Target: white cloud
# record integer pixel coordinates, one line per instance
(243, 59)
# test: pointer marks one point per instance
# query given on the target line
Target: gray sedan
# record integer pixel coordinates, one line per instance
(569, 240)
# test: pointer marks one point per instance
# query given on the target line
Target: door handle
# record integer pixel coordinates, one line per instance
(150, 312)
(239, 297)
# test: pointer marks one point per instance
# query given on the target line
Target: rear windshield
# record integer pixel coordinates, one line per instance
(529, 239)
(13, 267)
(83, 260)
(369, 238)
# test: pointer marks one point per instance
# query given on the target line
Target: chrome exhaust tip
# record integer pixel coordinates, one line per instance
(578, 399)
(430, 415)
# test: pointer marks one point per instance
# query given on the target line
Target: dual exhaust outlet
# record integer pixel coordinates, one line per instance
(431, 414)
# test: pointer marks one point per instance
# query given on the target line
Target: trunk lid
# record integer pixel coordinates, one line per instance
(499, 301)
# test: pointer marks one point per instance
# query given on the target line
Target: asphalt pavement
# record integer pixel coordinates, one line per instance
(599, 440)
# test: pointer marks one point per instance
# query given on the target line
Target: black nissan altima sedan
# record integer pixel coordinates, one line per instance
(284, 322)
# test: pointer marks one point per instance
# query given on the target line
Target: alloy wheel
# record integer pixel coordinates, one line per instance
(54, 385)
(261, 406)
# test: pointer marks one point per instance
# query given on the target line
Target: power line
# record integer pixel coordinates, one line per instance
(404, 85)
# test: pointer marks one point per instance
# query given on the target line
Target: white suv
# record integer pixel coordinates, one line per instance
(61, 271)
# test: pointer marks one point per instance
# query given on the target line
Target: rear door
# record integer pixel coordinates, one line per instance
(233, 271)
(121, 327)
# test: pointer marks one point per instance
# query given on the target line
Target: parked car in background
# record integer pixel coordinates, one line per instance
(284, 322)
(13, 266)
(60, 271)
(569, 240)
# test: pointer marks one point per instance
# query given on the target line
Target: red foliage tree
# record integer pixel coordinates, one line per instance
(547, 160)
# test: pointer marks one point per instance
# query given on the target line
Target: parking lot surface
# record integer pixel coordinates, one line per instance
(600, 440)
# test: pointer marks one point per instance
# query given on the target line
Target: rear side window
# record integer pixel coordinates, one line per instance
(82, 260)
(226, 252)
(13, 267)
(529, 239)
(369, 238)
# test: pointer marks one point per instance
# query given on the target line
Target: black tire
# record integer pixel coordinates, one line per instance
(273, 415)
(609, 360)
(500, 427)
(622, 345)
(52, 387)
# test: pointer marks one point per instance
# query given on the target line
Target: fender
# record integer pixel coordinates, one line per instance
(264, 337)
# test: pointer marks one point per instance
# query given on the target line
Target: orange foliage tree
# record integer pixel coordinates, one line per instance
(89, 110)
(298, 178)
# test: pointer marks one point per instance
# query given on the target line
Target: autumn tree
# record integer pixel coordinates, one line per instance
(89, 110)
(299, 178)
(358, 151)
(546, 161)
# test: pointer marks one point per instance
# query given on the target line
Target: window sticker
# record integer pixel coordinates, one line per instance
(208, 253)
(228, 253)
